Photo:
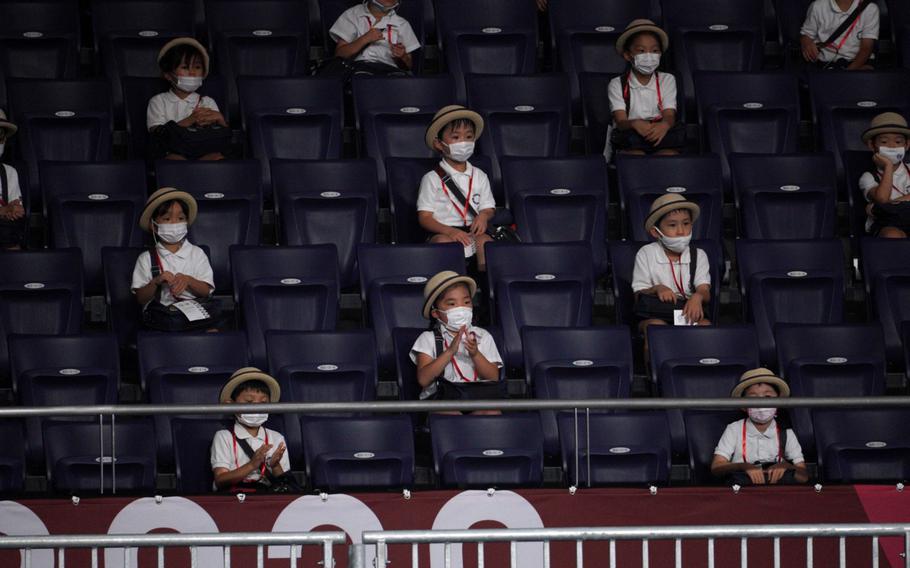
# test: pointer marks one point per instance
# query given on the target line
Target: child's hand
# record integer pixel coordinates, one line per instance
(461, 237)
(809, 49)
(276, 457)
(658, 131)
(372, 35)
(179, 284)
(693, 309)
(470, 341)
(756, 474)
(643, 128)
(165, 277)
(259, 457)
(882, 162)
(398, 51)
(776, 472)
(665, 294)
(479, 225)
(456, 343)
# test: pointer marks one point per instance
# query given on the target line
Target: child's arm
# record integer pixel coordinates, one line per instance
(866, 45)
(882, 193)
(694, 308)
(485, 370)
(429, 224)
(722, 467)
(347, 50)
(809, 49)
(182, 282)
(659, 129)
(146, 293)
(401, 56)
(777, 471)
(225, 478)
(621, 122)
(481, 221)
(429, 368)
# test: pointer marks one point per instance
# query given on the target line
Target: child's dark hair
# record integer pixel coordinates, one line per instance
(664, 216)
(253, 385)
(627, 45)
(166, 206)
(180, 54)
(457, 123)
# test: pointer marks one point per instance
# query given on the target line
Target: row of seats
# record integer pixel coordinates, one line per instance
(856, 445)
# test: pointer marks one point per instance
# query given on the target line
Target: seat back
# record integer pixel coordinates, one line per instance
(305, 263)
(405, 369)
(123, 311)
(885, 273)
(12, 456)
(192, 442)
(703, 429)
(857, 445)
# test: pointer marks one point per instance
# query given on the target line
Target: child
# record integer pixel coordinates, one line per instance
(12, 213)
(643, 100)
(761, 449)
(887, 185)
(455, 360)
(455, 202)
(249, 457)
(184, 64)
(664, 279)
(832, 38)
(182, 270)
(375, 37)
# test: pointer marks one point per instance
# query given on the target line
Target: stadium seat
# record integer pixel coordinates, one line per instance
(40, 294)
(265, 17)
(788, 196)
(628, 448)
(140, 18)
(403, 339)
(526, 283)
(887, 277)
(192, 443)
(559, 200)
(698, 362)
(367, 452)
(575, 363)
(595, 109)
(862, 445)
(12, 456)
(487, 451)
(790, 16)
(328, 201)
(697, 178)
(856, 163)
(37, 58)
(230, 206)
(703, 430)
(320, 366)
(123, 311)
(313, 262)
(35, 19)
(622, 263)
(392, 278)
(793, 281)
(75, 464)
(93, 205)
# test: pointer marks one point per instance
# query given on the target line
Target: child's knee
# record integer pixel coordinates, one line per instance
(704, 321)
(892, 233)
(440, 238)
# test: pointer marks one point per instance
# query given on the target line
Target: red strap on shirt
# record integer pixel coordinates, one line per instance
(677, 283)
(843, 39)
(445, 345)
(463, 213)
(780, 450)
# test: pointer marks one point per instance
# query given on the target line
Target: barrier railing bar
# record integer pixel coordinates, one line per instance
(907, 549)
(546, 555)
(777, 552)
(645, 556)
(327, 561)
(170, 540)
(448, 555)
(259, 559)
(101, 450)
(612, 553)
(381, 551)
(227, 557)
(161, 557)
(28, 559)
(588, 443)
(710, 553)
(415, 555)
(575, 412)
(480, 555)
(193, 556)
(114, 456)
(94, 558)
(678, 553)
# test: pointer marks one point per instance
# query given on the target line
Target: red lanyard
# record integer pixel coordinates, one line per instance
(678, 283)
(388, 28)
(237, 464)
(445, 345)
(843, 39)
(780, 450)
(462, 213)
(660, 99)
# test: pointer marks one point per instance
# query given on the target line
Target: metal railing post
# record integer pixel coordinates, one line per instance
(357, 556)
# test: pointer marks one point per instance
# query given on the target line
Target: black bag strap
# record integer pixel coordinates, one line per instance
(440, 347)
(455, 190)
(782, 441)
(845, 24)
(4, 183)
(246, 447)
(693, 266)
(156, 268)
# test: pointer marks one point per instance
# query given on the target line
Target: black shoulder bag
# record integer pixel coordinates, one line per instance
(890, 214)
(443, 389)
(12, 232)
(505, 233)
(169, 318)
(268, 483)
(649, 306)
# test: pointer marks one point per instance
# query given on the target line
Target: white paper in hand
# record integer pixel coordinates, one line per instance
(192, 309)
(680, 319)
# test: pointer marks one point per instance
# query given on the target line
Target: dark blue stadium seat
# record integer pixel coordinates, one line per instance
(622, 264)
(37, 58)
(698, 362)
(559, 200)
(697, 178)
(575, 363)
(403, 339)
(267, 17)
(595, 109)
(40, 18)
(192, 443)
(487, 451)
(123, 312)
(392, 278)
(793, 281)
(538, 285)
(40, 294)
(856, 163)
(361, 452)
(141, 19)
(862, 445)
(328, 201)
(230, 206)
(12, 456)
(788, 196)
(93, 205)
(628, 448)
(887, 277)
(790, 16)
(703, 430)
(313, 262)
(905, 340)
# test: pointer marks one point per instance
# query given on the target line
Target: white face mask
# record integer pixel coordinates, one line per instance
(896, 155)
(171, 233)
(456, 318)
(252, 420)
(461, 151)
(675, 244)
(383, 7)
(646, 63)
(762, 415)
(189, 84)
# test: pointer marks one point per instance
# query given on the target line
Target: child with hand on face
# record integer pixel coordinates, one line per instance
(760, 449)
(887, 184)
(455, 202)
(373, 33)
(13, 224)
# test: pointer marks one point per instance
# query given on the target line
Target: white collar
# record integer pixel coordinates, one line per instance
(770, 432)
(365, 12)
(182, 252)
(242, 434)
(634, 83)
(663, 259)
(469, 171)
(837, 10)
(192, 99)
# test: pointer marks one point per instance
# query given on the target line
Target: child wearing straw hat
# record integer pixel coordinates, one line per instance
(455, 359)
(184, 63)
(12, 212)
(886, 185)
(455, 202)
(760, 449)
(249, 457)
(643, 100)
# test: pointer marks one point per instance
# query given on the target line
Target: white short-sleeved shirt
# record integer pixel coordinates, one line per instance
(357, 20)
(189, 260)
(426, 344)
(12, 184)
(225, 454)
(652, 267)
(761, 447)
(824, 17)
(167, 106)
(432, 198)
(900, 186)
(643, 99)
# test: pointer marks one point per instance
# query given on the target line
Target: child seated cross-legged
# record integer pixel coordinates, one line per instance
(455, 359)
(762, 448)
(887, 183)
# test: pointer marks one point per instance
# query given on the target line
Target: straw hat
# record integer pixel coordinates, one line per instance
(450, 113)
(159, 197)
(667, 203)
(7, 125)
(886, 123)
(245, 374)
(641, 25)
(186, 41)
(438, 283)
(760, 375)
